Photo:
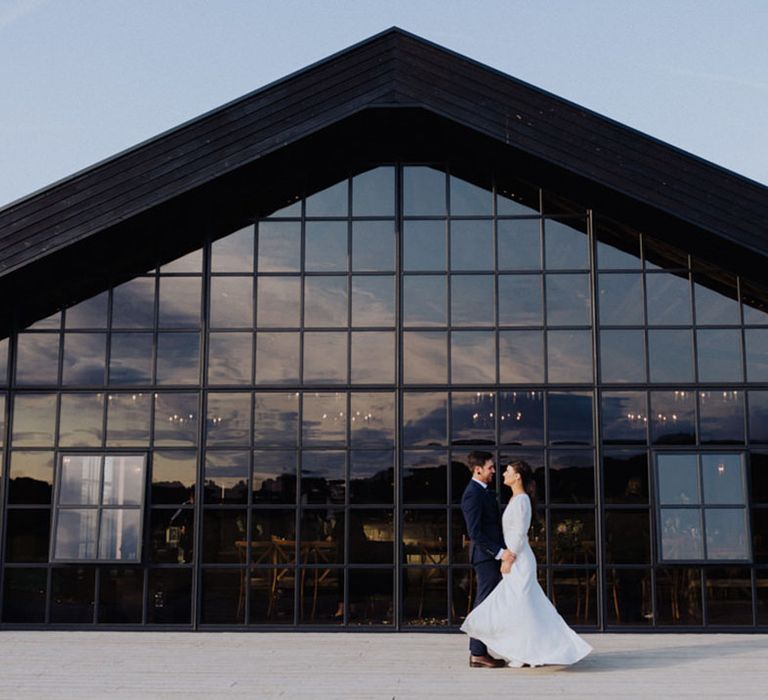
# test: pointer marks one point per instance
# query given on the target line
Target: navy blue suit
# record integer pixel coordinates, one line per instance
(481, 514)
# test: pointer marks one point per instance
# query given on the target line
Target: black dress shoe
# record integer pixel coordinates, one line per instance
(485, 662)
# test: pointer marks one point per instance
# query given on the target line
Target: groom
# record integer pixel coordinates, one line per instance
(486, 548)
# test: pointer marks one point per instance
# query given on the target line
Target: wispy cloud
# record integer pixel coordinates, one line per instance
(13, 10)
(722, 78)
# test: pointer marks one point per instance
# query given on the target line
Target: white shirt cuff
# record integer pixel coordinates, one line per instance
(498, 556)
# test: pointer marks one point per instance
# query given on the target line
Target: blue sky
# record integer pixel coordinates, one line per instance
(81, 80)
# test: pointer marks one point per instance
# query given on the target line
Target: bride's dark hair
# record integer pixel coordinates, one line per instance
(529, 483)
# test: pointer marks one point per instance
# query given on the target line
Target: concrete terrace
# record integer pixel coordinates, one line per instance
(347, 665)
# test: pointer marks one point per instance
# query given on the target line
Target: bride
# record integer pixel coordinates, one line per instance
(517, 621)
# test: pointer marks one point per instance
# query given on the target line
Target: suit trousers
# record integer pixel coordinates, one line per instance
(487, 576)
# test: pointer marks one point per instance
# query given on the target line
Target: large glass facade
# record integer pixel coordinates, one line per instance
(302, 393)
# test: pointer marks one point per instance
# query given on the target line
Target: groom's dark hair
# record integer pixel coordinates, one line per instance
(477, 458)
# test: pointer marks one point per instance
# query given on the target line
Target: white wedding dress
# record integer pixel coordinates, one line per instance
(517, 621)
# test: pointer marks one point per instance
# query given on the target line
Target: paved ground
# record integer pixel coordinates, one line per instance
(146, 665)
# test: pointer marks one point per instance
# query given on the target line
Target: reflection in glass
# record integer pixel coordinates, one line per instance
(226, 476)
(274, 476)
(721, 416)
(278, 302)
(72, 595)
(473, 357)
(678, 478)
(276, 419)
(3, 361)
(624, 417)
(128, 419)
(472, 300)
(519, 244)
(425, 476)
(75, 534)
(373, 357)
(191, 262)
(277, 358)
(632, 596)
(325, 301)
(370, 594)
(521, 357)
(468, 199)
(233, 253)
(573, 536)
(121, 594)
(424, 300)
(24, 592)
(660, 255)
(673, 417)
(27, 535)
(169, 596)
(373, 192)
(372, 419)
(279, 246)
(569, 415)
(84, 358)
(91, 313)
(473, 418)
(179, 302)
(719, 355)
(521, 417)
(220, 601)
(758, 416)
(759, 470)
(622, 356)
(373, 301)
(723, 478)
(572, 477)
(472, 245)
(565, 244)
(178, 358)
(425, 597)
(727, 533)
(325, 357)
(756, 341)
(80, 480)
(516, 198)
(678, 596)
(371, 476)
(231, 302)
(130, 358)
(621, 299)
(174, 474)
(423, 191)
(569, 356)
(618, 248)
(568, 300)
(34, 418)
(323, 476)
(322, 536)
(332, 201)
(171, 535)
(176, 420)
(119, 534)
(31, 477)
(373, 246)
(759, 537)
(717, 302)
(222, 531)
(670, 355)
(681, 534)
(424, 245)
(229, 358)
(325, 418)
(425, 536)
(229, 418)
(425, 419)
(625, 476)
(669, 299)
(425, 357)
(2, 419)
(729, 596)
(520, 300)
(627, 537)
(37, 358)
(754, 304)
(81, 420)
(133, 304)
(326, 247)
(279, 526)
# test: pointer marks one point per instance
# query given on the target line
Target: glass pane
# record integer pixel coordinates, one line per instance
(568, 300)
(761, 601)
(754, 304)
(473, 419)
(128, 419)
(425, 476)
(274, 476)
(569, 356)
(472, 300)
(572, 477)
(119, 536)
(719, 355)
(627, 537)
(660, 255)
(519, 244)
(179, 302)
(27, 535)
(52, 322)
(373, 301)
(756, 340)
(325, 357)
(425, 419)
(4, 361)
(423, 191)
(231, 302)
(521, 417)
(625, 477)
(622, 356)
(565, 244)
(425, 536)
(681, 534)
(630, 597)
(678, 478)
(373, 246)
(618, 247)
(75, 534)
(191, 262)
(322, 536)
(678, 596)
(425, 357)
(424, 245)
(229, 419)
(521, 357)
(521, 301)
(570, 418)
(673, 417)
(326, 247)
(229, 358)
(760, 536)
(514, 197)
(473, 357)
(669, 299)
(425, 597)
(716, 301)
(34, 418)
(174, 475)
(372, 419)
(758, 416)
(278, 302)
(371, 476)
(721, 416)
(72, 595)
(370, 593)
(468, 199)
(373, 358)
(373, 192)
(121, 595)
(37, 358)
(2, 419)
(176, 420)
(276, 419)
(224, 535)
(220, 597)
(170, 596)
(178, 358)
(573, 536)
(332, 201)
(233, 253)
(24, 592)
(670, 356)
(81, 422)
(133, 304)
(277, 358)
(325, 302)
(621, 299)
(472, 245)
(759, 470)
(279, 246)
(624, 417)
(91, 313)
(323, 477)
(723, 477)
(172, 535)
(727, 533)
(226, 476)
(729, 596)
(424, 300)
(325, 418)
(31, 478)
(80, 480)
(131, 358)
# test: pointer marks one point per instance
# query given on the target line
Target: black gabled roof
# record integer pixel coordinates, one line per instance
(391, 69)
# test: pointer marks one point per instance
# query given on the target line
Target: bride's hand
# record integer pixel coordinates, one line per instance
(506, 567)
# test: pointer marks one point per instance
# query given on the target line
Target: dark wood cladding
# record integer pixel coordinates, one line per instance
(393, 69)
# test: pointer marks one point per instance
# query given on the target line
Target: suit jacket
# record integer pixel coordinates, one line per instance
(481, 514)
